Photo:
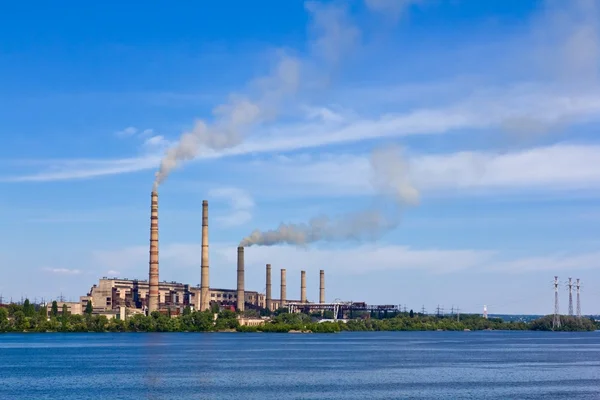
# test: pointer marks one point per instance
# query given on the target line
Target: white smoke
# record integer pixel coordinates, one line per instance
(389, 178)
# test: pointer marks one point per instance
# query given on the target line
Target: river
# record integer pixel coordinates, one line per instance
(350, 365)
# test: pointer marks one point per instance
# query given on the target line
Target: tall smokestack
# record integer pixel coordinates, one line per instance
(283, 288)
(268, 290)
(322, 287)
(303, 286)
(204, 291)
(153, 299)
(240, 279)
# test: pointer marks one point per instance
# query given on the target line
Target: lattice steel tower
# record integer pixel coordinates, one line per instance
(556, 320)
(570, 289)
(578, 286)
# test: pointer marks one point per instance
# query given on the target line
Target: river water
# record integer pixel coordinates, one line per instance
(353, 365)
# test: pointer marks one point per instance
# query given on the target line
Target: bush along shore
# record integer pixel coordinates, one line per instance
(29, 318)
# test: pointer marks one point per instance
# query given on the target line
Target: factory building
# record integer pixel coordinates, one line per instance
(112, 293)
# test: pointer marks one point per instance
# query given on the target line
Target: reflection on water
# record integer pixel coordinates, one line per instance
(373, 365)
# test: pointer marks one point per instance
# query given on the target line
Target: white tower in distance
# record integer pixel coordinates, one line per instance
(485, 312)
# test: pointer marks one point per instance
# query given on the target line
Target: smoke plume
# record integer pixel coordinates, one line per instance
(332, 36)
(389, 179)
(233, 119)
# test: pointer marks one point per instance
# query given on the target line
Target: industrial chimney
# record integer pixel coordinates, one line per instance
(204, 290)
(268, 290)
(153, 297)
(283, 288)
(303, 286)
(240, 279)
(322, 287)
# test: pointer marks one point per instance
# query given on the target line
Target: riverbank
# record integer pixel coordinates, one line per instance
(21, 319)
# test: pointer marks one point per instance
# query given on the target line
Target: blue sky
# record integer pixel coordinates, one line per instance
(472, 124)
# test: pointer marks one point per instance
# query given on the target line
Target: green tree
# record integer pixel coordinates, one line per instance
(43, 312)
(89, 308)
(187, 310)
(411, 314)
(3, 315)
(28, 308)
(54, 310)
(65, 311)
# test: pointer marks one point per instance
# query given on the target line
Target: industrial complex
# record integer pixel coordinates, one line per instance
(118, 298)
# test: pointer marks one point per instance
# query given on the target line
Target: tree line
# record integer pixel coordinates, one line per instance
(30, 318)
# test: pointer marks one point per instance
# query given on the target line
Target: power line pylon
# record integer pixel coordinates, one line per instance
(423, 310)
(457, 314)
(570, 289)
(578, 287)
(556, 319)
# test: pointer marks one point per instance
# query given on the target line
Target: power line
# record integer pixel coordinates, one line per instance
(556, 319)
(578, 286)
(570, 289)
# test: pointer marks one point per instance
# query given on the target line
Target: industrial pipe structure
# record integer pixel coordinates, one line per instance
(240, 279)
(283, 293)
(322, 287)
(204, 302)
(268, 290)
(153, 295)
(303, 286)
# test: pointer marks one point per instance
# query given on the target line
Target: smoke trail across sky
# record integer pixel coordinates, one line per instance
(332, 36)
(389, 179)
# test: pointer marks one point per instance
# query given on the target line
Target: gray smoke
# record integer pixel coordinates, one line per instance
(389, 179)
(332, 36)
(233, 119)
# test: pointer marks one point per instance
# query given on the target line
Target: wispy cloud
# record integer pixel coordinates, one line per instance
(241, 204)
(58, 170)
(63, 271)
(481, 111)
(129, 131)
(557, 168)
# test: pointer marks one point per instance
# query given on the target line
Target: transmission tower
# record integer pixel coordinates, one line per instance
(457, 314)
(423, 310)
(556, 320)
(570, 289)
(437, 311)
(578, 287)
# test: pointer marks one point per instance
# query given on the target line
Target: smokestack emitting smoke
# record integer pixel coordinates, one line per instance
(283, 289)
(268, 289)
(233, 119)
(240, 279)
(389, 179)
(204, 285)
(303, 286)
(153, 298)
(322, 287)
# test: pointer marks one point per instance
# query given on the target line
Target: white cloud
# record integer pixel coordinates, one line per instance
(156, 143)
(560, 167)
(391, 8)
(129, 131)
(57, 170)
(63, 271)
(241, 204)
(112, 273)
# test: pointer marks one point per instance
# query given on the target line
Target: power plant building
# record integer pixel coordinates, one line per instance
(112, 294)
